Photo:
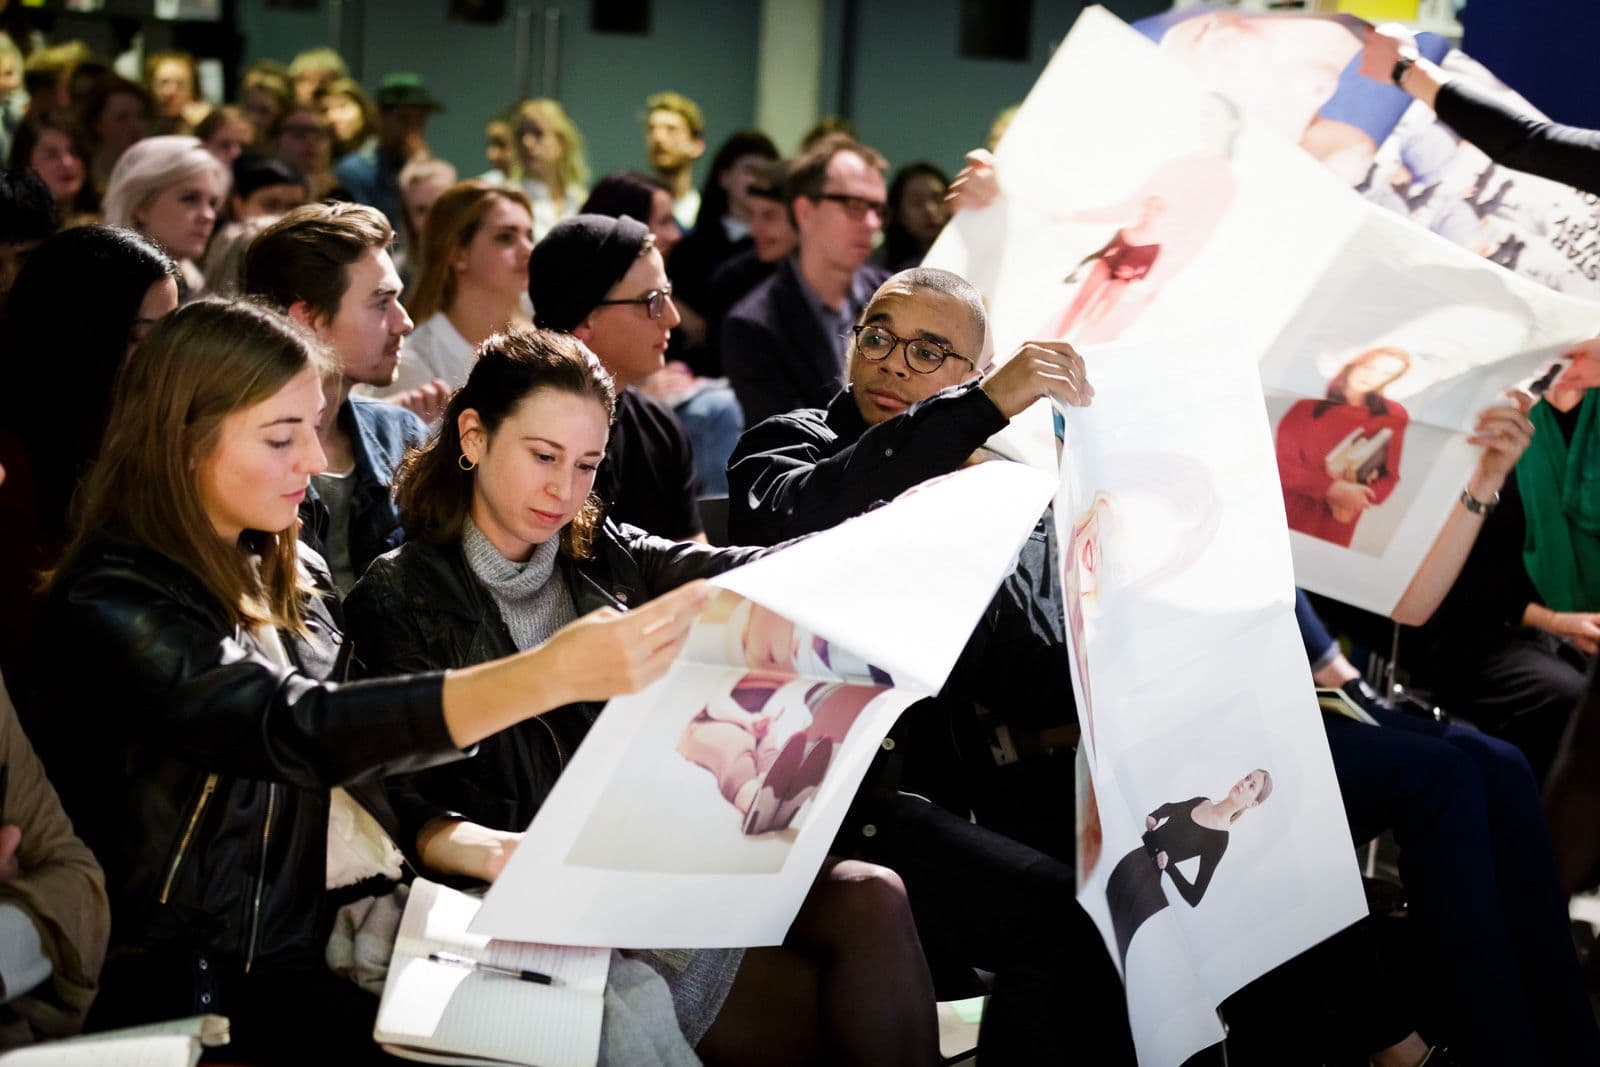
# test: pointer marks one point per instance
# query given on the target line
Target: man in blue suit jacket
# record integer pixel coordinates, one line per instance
(784, 344)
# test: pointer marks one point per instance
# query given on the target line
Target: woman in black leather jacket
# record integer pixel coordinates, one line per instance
(186, 643)
(503, 544)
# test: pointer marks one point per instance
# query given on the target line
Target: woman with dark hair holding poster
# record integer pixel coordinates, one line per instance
(1341, 455)
(505, 546)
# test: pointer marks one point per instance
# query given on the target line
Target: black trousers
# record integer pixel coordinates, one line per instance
(1522, 686)
(982, 900)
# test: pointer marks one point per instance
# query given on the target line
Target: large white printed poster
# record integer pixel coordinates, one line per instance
(1297, 76)
(1216, 847)
(1201, 257)
(698, 810)
(1170, 207)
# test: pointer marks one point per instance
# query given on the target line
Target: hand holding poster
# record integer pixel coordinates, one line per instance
(697, 811)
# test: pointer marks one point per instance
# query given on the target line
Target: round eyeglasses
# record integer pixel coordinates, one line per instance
(876, 344)
(655, 301)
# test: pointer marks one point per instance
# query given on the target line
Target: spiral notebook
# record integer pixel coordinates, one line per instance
(449, 1012)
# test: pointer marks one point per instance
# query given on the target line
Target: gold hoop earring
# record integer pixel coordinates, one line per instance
(464, 463)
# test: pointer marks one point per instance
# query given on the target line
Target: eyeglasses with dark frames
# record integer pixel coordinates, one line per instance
(923, 356)
(655, 301)
(854, 206)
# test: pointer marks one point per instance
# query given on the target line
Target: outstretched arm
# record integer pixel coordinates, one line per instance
(1511, 138)
(1504, 432)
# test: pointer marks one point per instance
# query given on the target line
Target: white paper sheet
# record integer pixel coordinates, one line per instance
(698, 811)
(449, 1009)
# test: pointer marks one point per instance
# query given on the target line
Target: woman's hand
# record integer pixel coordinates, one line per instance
(458, 847)
(1036, 369)
(768, 640)
(1504, 432)
(1350, 498)
(978, 184)
(1385, 46)
(1149, 822)
(1585, 370)
(608, 653)
(1161, 860)
(1582, 628)
(427, 402)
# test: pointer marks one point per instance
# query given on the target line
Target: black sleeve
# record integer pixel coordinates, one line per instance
(781, 482)
(753, 358)
(387, 641)
(164, 674)
(1565, 154)
(667, 564)
(1493, 588)
(1015, 664)
(1191, 892)
(685, 495)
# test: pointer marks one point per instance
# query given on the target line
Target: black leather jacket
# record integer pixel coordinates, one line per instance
(420, 608)
(198, 769)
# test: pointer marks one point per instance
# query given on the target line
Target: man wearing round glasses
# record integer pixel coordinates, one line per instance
(920, 341)
(602, 280)
(987, 891)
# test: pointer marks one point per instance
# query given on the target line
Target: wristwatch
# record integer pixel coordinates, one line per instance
(1401, 68)
(1476, 506)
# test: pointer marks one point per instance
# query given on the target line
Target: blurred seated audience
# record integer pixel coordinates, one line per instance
(351, 115)
(46, 447)
(475, 242)
(372, 174)
(721, 231)
(265, 95)
(226, 132)
(170, 189)
(312, 71)
(550, 157)
(422, 182)
(305, 142)
(27, 217)
(53, 149)
(917, 212)
(115, 114)
(173, 82)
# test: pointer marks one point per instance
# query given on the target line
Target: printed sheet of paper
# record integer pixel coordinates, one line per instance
(698, 811)
(1297, 76)
(1192, 688)
(1168, 209)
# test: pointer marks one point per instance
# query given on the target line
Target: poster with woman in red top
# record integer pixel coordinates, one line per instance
(1340, 455)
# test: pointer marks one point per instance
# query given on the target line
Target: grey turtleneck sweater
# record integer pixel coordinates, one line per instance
(533, 605)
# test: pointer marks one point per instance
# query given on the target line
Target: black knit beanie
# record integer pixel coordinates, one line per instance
(577, 263)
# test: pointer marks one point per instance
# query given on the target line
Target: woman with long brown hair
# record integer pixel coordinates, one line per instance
(196, 752)
(475, 246)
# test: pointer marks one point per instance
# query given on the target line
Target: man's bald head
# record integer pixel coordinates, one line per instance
(949, 284)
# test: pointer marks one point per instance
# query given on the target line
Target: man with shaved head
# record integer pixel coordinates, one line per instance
(965, 803)
(915, 407)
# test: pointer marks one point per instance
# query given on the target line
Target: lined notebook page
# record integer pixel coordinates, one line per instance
(166, 1051)
(446, 1008)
